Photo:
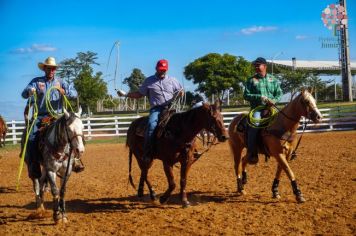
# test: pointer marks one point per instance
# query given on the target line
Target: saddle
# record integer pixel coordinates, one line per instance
(242, 127)
(163, 119)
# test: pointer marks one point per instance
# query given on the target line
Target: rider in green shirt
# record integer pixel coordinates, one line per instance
(260, 89)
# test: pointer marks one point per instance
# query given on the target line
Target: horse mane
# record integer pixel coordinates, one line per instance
(179, 120)
(60, 126)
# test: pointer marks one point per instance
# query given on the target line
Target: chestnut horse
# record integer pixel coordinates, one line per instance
(3, 130)
(176, 144)
(278, 140)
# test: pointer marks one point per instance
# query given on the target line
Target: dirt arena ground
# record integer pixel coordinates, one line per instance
(99, 200)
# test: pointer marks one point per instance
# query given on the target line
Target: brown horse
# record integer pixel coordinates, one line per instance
(278, 139)
(3, 131)
(176, 144)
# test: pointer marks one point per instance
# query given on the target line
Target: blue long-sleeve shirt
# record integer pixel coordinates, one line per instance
(55, 96)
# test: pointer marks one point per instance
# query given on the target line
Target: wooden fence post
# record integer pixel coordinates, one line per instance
(116, 125)
(13, 132)
(89, 129)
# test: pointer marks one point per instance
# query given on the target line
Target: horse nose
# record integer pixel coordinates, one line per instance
(80, 150)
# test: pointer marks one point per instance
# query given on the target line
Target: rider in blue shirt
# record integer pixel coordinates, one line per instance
(160, 89)
(40, 85)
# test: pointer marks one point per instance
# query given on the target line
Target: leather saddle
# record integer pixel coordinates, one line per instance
(164, 117)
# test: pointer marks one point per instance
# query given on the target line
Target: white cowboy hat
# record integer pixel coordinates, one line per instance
(50, 61)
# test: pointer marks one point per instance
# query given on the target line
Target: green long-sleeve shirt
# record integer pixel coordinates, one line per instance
(258, 86)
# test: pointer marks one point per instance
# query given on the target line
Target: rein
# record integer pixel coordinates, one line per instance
(294, 153)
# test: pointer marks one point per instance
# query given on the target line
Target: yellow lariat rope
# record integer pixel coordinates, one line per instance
(49, 107)
(28, 131)
(51, 111)
(261, 123)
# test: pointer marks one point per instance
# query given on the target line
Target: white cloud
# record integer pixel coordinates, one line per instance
(258, 29)
(301, 37)
(34, 48)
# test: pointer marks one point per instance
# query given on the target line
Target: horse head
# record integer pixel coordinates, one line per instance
(74, 127)
(216, 122)
(310, 110)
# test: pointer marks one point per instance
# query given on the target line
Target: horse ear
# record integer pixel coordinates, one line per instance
(217, 104)
(311, 90)
(79, 113)
(66, 113)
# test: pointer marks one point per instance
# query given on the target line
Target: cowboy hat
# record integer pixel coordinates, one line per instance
(50, 62)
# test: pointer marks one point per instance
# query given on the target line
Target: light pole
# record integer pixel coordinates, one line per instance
(274, 57)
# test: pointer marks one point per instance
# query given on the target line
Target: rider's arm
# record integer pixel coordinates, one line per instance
(134, 95)
(69, 91)
(29, 90)
(277, 92)
(248, 92)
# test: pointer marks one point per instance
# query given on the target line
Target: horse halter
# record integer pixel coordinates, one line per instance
(70, 139)
(212, 125)
(311, 110)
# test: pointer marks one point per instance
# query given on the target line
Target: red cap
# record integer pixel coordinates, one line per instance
(162, 65)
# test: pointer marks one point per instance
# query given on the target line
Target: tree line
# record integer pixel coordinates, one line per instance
(219, 76)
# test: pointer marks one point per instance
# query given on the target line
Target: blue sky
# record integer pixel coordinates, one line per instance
(179, 31)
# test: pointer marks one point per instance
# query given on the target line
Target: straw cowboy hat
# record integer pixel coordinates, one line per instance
(50, 61)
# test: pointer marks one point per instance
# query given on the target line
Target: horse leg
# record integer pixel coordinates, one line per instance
(241, 176)
(285, 166)
(185, 166)
(55, 194)
(168, 170)
(143, 177)
(275, 192)
(62, 206)
(150, 188)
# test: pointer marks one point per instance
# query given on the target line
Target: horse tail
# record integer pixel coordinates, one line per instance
(130, 165)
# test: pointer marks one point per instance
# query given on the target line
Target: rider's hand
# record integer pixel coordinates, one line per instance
(121, 93)
(31, 91)
(267, 101)
(60, 89)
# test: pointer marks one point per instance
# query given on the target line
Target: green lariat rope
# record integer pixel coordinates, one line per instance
(49, 107)
(261, 123)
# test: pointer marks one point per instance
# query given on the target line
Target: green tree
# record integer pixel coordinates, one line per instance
(134, 80)
(79, 71)
(190, 97)
(215, 73)
(91, 88)
(292, 81)
(316, 84)
(70, 68)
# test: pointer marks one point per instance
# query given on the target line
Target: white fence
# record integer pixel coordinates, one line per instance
(333, 120)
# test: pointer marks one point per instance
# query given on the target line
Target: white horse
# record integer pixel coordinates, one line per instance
(61, 142)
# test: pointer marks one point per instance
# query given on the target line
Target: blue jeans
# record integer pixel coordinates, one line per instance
(152, 124)
(33, 155)
(252, 135)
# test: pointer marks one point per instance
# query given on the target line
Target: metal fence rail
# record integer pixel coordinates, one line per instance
(334, 119)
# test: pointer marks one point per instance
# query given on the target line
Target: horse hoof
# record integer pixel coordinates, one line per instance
(140, 194)
(153, 196)
(300, 199)
(65, 220)
(241, 193)
(276, 196)
(163, 200)
(186, 204)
